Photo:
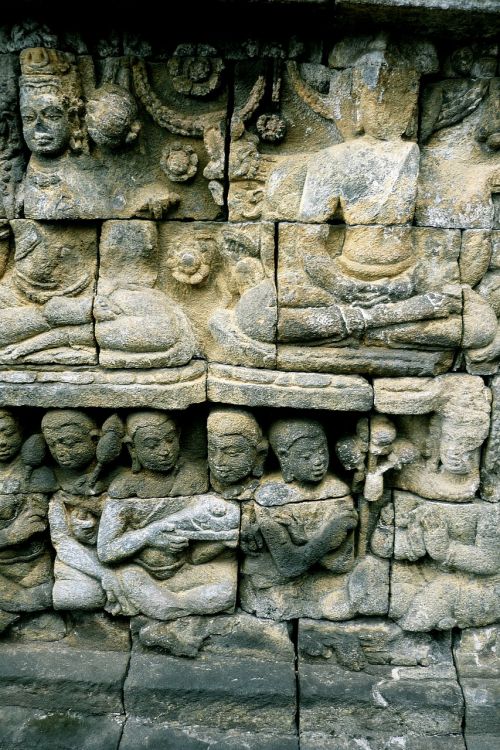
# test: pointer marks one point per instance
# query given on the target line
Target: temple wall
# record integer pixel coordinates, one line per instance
(249, 378)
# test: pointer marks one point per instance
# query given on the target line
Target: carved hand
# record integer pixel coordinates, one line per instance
(117, 603)
(104, 309)
(436, 537)
(162, 534)
(27, 523)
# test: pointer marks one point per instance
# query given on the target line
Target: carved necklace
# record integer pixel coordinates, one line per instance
(41, 292)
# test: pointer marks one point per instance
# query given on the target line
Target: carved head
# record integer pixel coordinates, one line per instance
(236, 447)
(382, 435)
(50, 102)
(112, 116)
(71, 436)
(10, 436)
(84, 525)
(153, 439)
(302, 449)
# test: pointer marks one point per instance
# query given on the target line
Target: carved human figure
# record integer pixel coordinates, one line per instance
(50, 103)
(455, 552)
(298, 537)
(380, 292)
(46, 297)
(172, 548)
(334, 182)
(308, 516)
(375, 450)
(237, 450)
(81, 581)
(248, 321)
(485, 359)
(137, 325)
(448, 442)
(64, 180)
(25, 560)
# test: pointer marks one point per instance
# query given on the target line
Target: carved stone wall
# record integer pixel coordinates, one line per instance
(250, 387)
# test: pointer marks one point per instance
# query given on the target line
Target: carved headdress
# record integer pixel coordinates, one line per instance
(46, 69)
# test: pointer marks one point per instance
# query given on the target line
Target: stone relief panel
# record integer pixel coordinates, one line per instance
(152, 512)
(103, 144)
(46, 292)
(249, 390)
(369, 298)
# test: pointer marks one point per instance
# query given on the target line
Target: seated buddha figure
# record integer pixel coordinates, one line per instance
(46, 296)
(25, 560)
(383, 290)
(369, 175)
(171, 547)
(137, 325)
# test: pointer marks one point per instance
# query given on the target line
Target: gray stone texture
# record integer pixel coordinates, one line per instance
(249, 376)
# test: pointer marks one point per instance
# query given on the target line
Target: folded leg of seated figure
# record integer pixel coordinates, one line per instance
(340, 321)
(76, 590)
(68, 344)
(184, 593)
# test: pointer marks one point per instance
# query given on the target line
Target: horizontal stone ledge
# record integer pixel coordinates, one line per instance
(365, 360)
(175, 388)
(26, 729)
(246, 386)
(482, 6)
(141, 732)
(55, 678)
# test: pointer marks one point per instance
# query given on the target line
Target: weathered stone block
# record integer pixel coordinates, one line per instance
(369, 684)
(31, 728)
(238, 687)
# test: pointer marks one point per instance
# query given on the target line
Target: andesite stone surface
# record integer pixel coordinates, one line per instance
(249, 378)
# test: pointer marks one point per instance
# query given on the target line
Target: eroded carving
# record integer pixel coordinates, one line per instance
(25, 558)
(298, 536)
(450, 574)
(46, 295)
(137, 324)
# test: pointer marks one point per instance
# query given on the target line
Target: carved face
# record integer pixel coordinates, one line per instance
(307, 459)
(84, 525)
(10, 437)
(46, 126)
(231, 458)
(71, 445)
(157, 445)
